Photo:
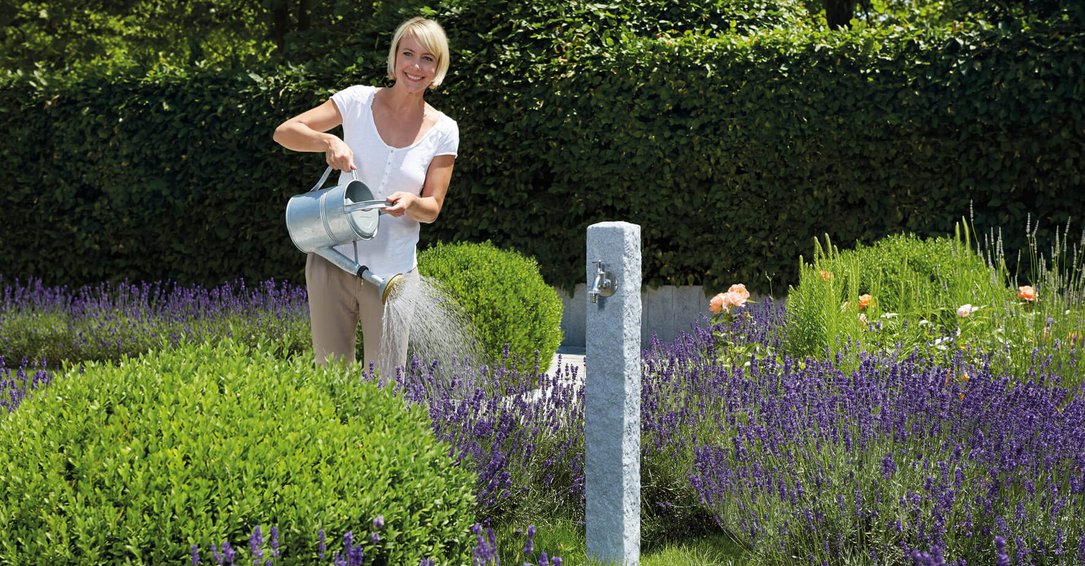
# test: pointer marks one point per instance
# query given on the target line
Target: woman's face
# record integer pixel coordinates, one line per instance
(415, 66)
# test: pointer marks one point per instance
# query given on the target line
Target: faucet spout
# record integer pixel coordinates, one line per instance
(604, 284)
(594, 292)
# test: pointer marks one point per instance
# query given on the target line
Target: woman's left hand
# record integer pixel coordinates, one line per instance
(399, 202)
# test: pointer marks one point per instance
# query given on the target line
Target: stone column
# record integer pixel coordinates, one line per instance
(612, 396)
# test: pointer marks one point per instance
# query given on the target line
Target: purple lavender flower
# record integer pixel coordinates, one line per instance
(274, 542)
(485, 551)
(529, 545)
(256, 544)
(1001, 558)
(378, 523)
(195, 554)
(889, 467)
(322, 547)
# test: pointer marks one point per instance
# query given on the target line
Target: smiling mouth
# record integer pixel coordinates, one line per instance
(412, 77)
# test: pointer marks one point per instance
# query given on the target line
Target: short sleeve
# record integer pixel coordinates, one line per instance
(449, 143)
(350, 99)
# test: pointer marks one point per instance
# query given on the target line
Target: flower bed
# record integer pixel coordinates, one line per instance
(961, 445)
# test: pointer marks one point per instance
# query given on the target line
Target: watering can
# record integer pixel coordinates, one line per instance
(320, 219)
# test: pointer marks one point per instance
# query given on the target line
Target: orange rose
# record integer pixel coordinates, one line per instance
(740, 290)
(864, 301)
(1027, 293)
(716, 304)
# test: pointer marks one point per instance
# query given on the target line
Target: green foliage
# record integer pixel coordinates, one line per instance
(200, 444)
(1019, 12)
(718, 130)
(915, 287)
(74, 36)
(942, 297)
(504, 297)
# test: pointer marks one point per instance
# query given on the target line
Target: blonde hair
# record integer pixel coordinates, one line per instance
(431, 35)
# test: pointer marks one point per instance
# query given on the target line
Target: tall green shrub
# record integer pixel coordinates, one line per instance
(504, 297)
(198, 445)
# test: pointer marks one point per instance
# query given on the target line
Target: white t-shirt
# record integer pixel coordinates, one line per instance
(386, 170)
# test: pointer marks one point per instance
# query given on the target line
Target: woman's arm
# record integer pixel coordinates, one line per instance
(308, 132)
(425, 207)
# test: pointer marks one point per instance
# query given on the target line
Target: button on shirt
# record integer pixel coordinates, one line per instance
(386, 170)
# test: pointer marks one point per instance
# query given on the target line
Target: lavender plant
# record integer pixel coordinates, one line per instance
(807, 462)
(108, 321)
(26, 379)
(521, 431)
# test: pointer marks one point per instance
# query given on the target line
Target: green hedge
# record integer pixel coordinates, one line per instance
(198, 445)
(733, 149)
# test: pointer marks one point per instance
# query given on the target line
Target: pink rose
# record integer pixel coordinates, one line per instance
(716, 304)
(1027, 293)
(740, 290)
(734, 299)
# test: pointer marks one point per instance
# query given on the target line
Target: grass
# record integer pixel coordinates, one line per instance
(565, 537)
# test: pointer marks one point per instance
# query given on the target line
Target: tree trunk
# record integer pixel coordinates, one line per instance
(304, 14)
(280, 23)
(838, 13)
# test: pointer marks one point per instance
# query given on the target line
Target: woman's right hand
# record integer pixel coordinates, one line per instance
(338, 155)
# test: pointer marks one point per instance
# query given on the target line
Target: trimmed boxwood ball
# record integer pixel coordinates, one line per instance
(503, 295)
(199, 445)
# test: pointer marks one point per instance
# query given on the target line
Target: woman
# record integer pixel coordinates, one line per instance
(403, 150)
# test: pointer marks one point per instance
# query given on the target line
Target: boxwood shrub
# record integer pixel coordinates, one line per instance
(504, 296)
(137, 462)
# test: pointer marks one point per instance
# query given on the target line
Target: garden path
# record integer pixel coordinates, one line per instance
(569, 355)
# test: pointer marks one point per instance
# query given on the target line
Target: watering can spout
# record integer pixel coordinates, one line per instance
(384, 286)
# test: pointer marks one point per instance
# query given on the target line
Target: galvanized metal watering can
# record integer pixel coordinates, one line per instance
(320, 219)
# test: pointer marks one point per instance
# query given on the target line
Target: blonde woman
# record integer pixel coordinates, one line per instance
(403, 149)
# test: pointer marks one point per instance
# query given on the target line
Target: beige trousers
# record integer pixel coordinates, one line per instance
(338, 301)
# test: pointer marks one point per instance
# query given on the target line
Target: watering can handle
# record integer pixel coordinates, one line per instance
(324, 177)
